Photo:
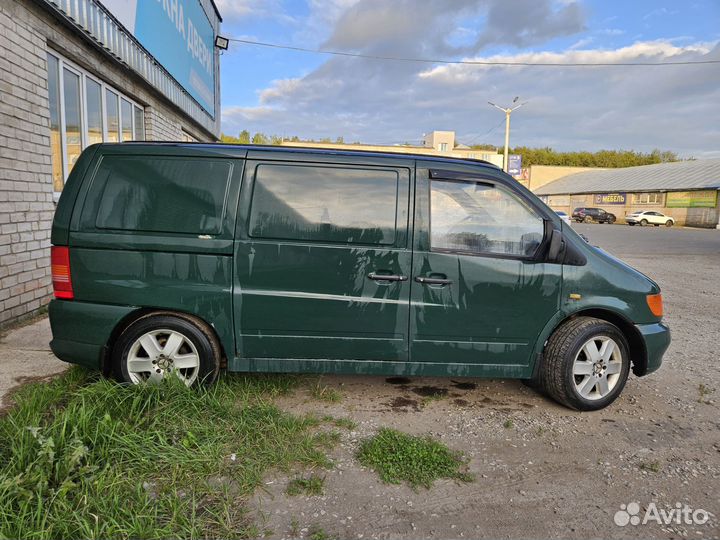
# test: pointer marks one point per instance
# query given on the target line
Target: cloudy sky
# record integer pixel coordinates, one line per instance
(289, 93)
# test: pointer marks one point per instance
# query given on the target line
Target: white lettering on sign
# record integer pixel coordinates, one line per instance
(195, 45)
(197, 48)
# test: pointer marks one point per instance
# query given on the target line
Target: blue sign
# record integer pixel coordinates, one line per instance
(179, 35)
(514, 165)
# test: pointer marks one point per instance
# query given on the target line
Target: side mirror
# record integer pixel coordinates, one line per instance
(556, 245)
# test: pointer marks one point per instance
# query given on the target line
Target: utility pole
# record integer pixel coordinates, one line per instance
(508, 111)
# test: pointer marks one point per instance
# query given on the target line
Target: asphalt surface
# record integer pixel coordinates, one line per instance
(624, 240)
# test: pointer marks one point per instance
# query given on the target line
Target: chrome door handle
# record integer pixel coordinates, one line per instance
(386, 277)
(433, 281)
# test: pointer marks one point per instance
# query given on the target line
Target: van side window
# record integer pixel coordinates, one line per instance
(324, 204)
(480, 218)
(162, 194)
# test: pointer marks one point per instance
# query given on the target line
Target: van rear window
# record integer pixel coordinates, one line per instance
(324, 204)
(162, 194)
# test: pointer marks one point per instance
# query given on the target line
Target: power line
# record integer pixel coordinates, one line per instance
(471, 62)
(488, 132)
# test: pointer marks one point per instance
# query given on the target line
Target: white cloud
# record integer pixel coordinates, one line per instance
(642, 108)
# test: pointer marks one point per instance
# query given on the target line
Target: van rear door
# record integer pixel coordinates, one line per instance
(322, 262)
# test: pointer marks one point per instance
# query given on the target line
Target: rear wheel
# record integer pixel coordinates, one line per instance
(643, 222)
(669, 223)
(586, 364)
(588, 219)
(164, 345)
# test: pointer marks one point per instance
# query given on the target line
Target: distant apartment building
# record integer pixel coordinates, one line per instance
(435, 143)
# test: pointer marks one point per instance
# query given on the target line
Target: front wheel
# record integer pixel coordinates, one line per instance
(643, 222)
(588, 219)
(586, 364)
(669, 223)
(158, 346)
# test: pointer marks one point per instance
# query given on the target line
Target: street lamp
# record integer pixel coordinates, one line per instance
(508, 111)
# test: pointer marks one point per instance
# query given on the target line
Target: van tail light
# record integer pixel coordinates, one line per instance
(60, 266)
(655, 303)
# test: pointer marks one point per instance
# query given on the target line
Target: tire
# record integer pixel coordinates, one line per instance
(643, 222)
(570, 378)
(669, 223)
(140, 354)
(588, 219)
(611, 220)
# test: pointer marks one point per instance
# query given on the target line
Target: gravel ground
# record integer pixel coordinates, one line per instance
(553, 473)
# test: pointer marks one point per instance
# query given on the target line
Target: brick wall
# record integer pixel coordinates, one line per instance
(159, 127)
(26, 200)
(27, 32)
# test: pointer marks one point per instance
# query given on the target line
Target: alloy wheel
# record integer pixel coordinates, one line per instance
(597, 367)
(160, 353)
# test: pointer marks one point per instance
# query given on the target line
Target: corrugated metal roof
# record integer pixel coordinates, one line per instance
(679, 175)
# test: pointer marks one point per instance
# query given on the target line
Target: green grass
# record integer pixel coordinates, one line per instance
(398, 457)
(704, 392)
(651, 466)
(346, 423)
(312, 485)
(317, 533)
(323, 392)
(82, 457)
(508, 424)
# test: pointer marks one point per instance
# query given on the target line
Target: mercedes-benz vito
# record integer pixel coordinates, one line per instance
(185, 259)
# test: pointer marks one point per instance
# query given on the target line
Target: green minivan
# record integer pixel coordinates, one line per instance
(186, 259)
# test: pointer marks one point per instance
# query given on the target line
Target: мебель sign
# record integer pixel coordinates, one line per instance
(610, 198)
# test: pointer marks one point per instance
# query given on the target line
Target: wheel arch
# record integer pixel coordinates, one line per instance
(638, 351)
(140, 313)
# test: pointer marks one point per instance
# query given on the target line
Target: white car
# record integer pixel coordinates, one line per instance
(649, 217)
(564, 217)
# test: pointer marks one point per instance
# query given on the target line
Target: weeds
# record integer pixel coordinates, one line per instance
(419, 461)
(317, 533)
(313, 485)
(704, 392)
(294, 527)
(652, 466)
(508, 424)
(346, 423)
(323, 392)
(152, 461)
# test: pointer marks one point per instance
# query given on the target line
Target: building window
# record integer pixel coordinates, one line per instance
(127, 119)
(139, 123)
(55, 143)
(71, 113)
(113, 117)
(647, 198)
(93, 99)
(443, 146)
(85, 111)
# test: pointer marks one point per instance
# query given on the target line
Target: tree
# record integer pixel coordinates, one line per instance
(244, 137)
(259, 138)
